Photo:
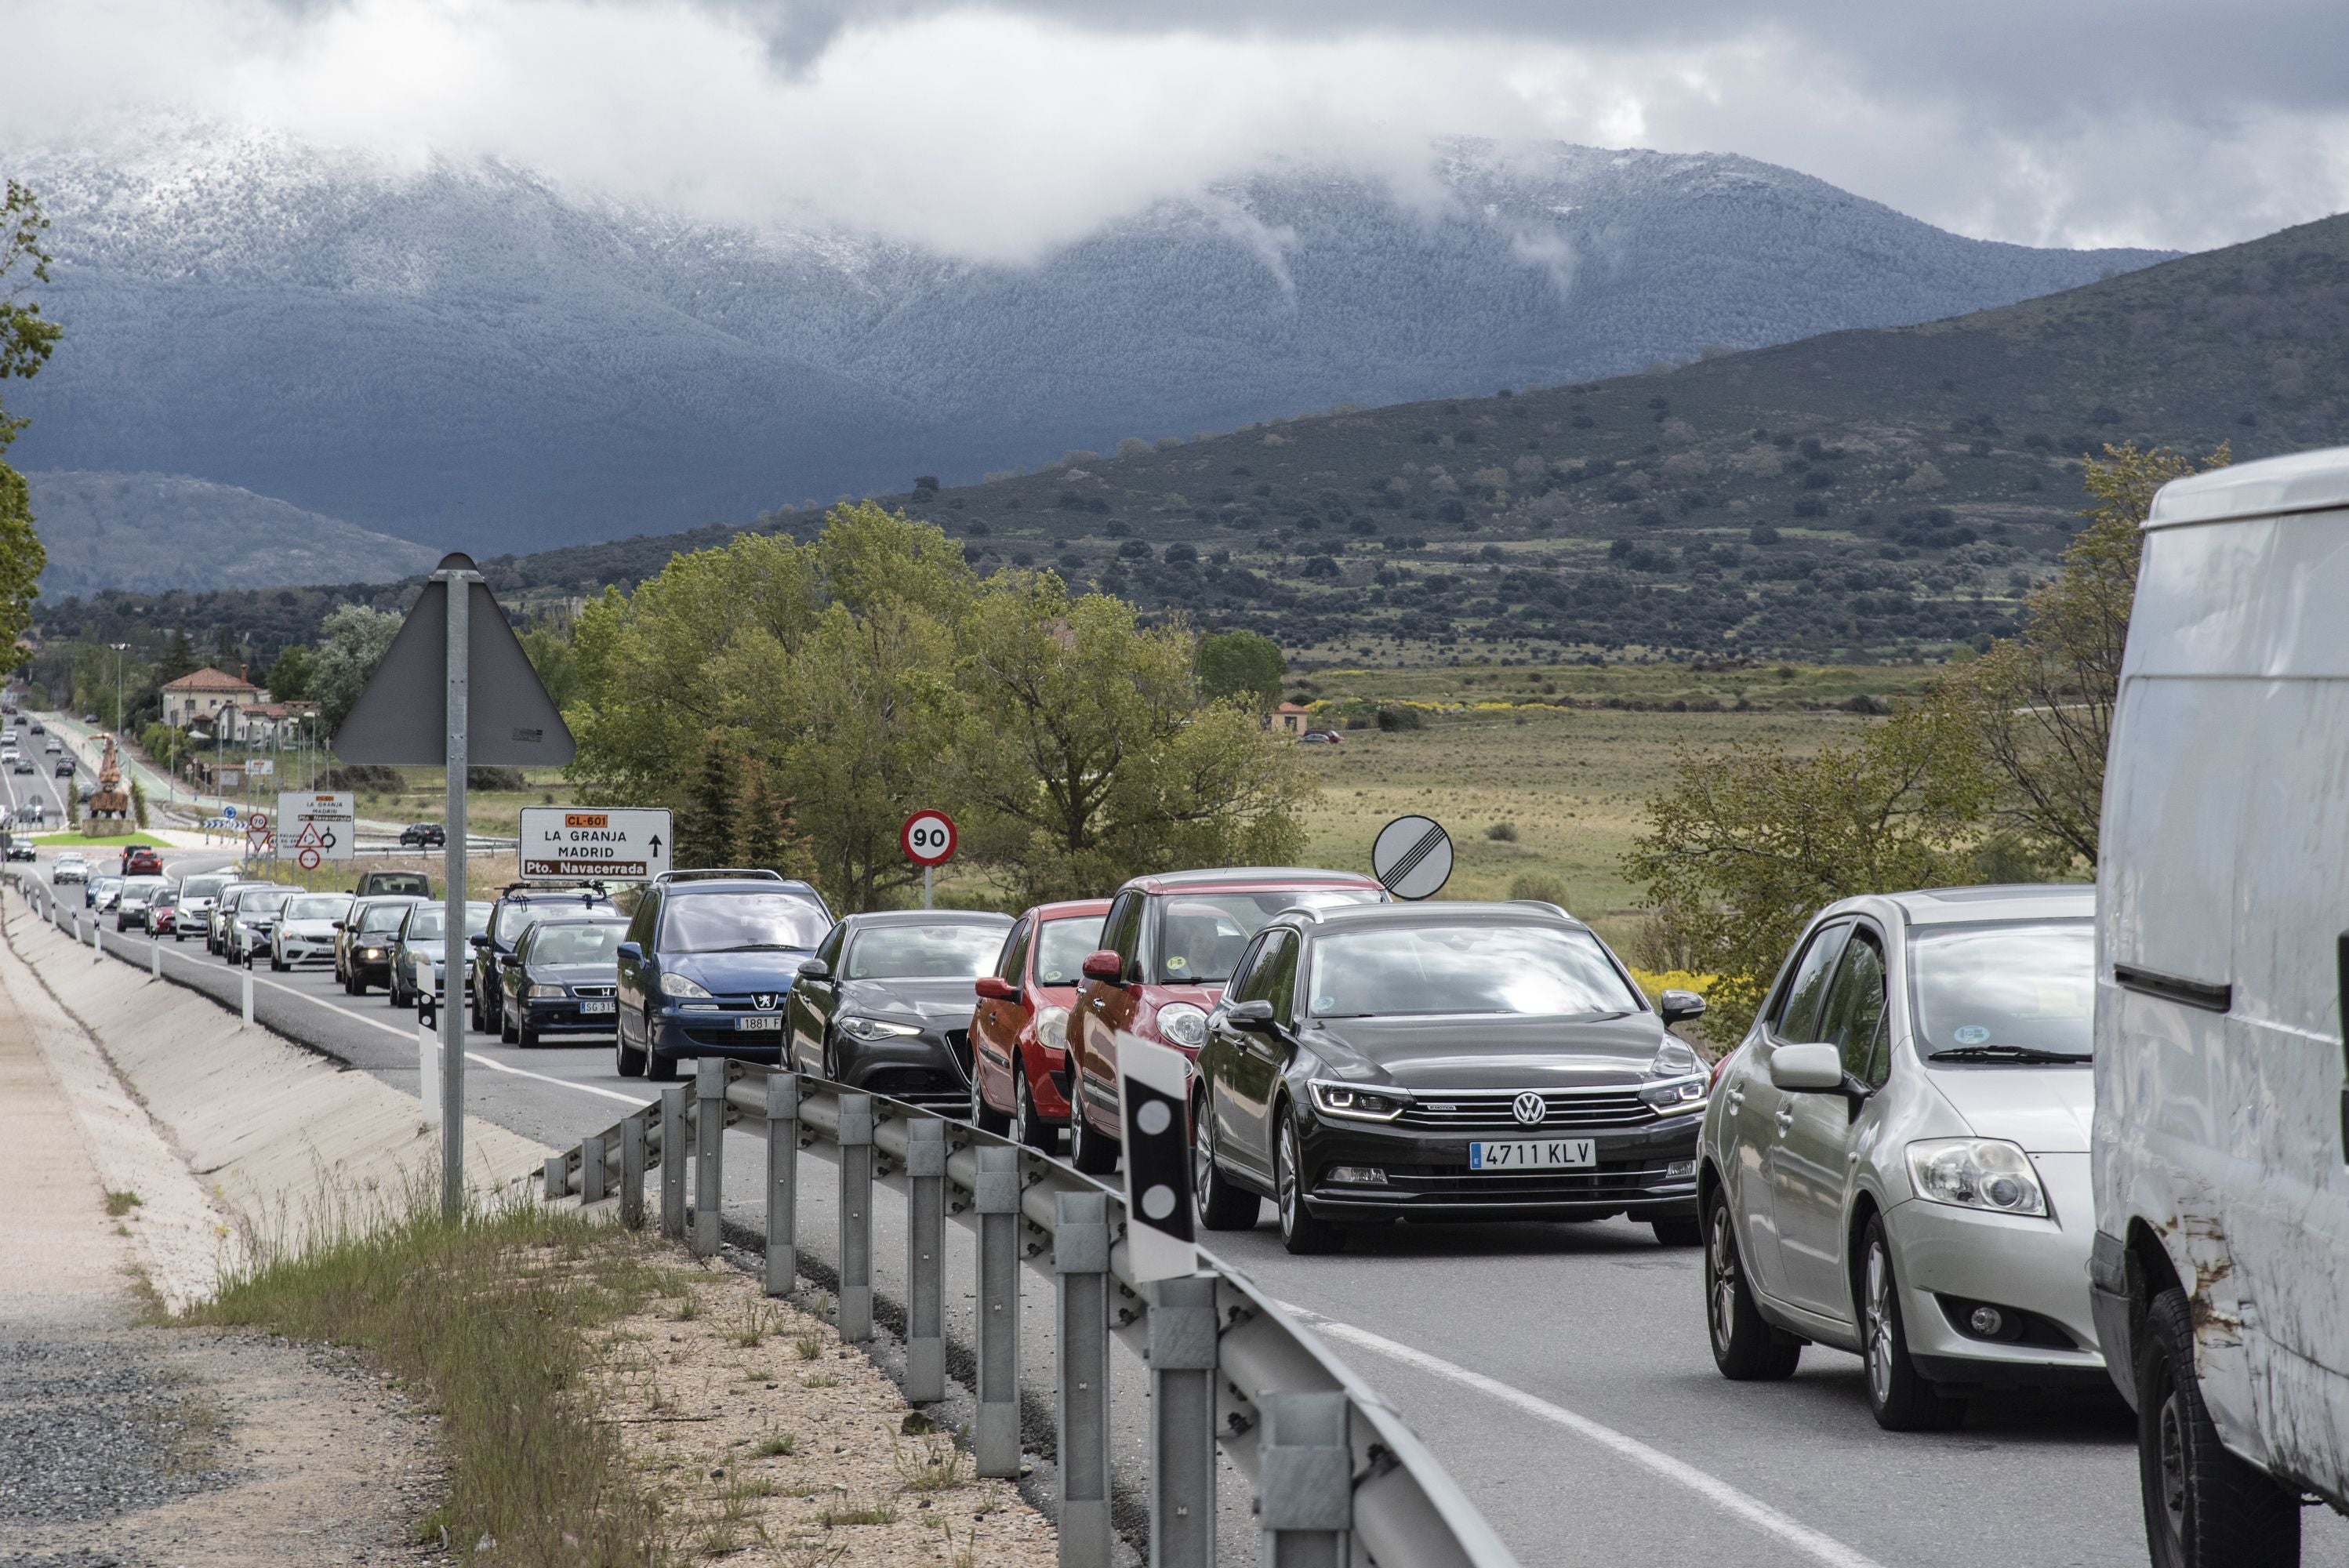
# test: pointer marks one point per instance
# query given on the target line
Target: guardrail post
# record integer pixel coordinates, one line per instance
(854, 1313)
(558, 1177)
(245, 989)
(1182, 1423)
(672, 1165)
(155, 959)
(1080, 1257)
(632, 1171)
(591, 1168)
(782, 1181)
(925, 1246)
(996, 1199)
(1305, 1479)
(709, 1153)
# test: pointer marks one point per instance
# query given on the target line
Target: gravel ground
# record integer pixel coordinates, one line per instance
(93, 1426)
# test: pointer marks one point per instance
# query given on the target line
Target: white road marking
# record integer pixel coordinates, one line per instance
(1713, 1489)
(410, 1035)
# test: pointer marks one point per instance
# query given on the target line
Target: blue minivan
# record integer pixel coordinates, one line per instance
(707, 967)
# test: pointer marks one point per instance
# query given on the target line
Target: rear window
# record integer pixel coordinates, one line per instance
(1200, 936)
(743, 921)
(399, 883)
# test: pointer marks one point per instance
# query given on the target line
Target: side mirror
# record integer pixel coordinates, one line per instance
(1251, 1015)
(477, 941)
(815, 969)
(1815, 1068)
(1106, 965)
(1676, 1006)
(994, 988)
(628, 953)
(340, 926)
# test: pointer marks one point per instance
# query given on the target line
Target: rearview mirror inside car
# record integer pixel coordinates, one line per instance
(1252, 1015)
(1105, 964)
(1676, 1006)
(815, 969)
(1815, 1068)
(994, 988)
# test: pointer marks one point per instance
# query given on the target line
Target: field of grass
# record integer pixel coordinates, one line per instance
(1768, 686)
(1569, 782)
(493, 812)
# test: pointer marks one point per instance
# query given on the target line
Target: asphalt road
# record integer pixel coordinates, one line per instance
(1559, 1371)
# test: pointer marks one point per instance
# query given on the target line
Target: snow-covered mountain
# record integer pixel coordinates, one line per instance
(467, 356)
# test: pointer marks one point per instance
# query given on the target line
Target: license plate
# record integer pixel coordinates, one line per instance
(1551, 1154)
(605, 1005)
(770, 1024)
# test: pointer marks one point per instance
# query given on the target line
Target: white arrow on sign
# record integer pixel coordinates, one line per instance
(617, 844)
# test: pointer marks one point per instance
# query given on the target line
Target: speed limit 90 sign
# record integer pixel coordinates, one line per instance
(928, 838)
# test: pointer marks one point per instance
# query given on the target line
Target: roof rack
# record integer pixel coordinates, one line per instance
(554, 885)
(710, 873)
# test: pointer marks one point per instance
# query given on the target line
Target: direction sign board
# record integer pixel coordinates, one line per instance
(620, 843)
(927, 838)
(318, 825)
(1412, 857)
(261, 767)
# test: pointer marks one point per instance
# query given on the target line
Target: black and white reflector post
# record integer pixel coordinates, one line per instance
(1152, 1081)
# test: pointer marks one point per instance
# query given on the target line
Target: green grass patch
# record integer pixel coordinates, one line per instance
(84, 842)
(121, 1203)
(493, 1316)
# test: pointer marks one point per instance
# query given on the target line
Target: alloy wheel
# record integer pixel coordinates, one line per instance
(1285, 1179)
(1203, 1152)
(2172, 1460)
(1879, 1325)
(1720, 1262)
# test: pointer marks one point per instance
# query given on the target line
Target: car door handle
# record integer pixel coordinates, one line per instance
(1785, 1118)
(1736, 1101)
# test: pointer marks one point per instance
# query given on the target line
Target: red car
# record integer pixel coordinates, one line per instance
(140, 860)
(1168, 945)
(1019, 1030)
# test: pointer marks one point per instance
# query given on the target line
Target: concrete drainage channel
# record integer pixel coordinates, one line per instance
(1257, 1440)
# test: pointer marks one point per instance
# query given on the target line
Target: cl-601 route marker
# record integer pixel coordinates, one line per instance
(618, 844)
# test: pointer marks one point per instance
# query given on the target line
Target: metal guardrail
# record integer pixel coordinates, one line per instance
(1339, 1477)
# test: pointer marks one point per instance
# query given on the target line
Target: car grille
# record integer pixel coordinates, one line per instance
(594, 990)
(1624, 1181)
(1564, 1111)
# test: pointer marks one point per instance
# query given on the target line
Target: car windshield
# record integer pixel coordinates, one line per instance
(1546, 970)
(144, 887)
(733, 922)
(203, 887)
(106, 884)
(384, 917)
(577, 943)
(1061, 946)
(262, 901)
(1200, 936)
(941, 952)
(317, 906)
(429, 923)
(2020, 990)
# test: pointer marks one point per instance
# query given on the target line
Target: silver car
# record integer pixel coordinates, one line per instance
(1895, 1160)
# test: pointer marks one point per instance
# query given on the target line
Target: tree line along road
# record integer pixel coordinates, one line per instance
(1559, 1371)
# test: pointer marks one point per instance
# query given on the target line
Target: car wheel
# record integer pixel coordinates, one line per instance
(1300, 1232)
(1089, 1151)
(983, 1116)
(1745, 1346)
(525, 1037)
(1686, 1233)
(1028, 1124)
(625, 1062)
(1898, 1394)
(2203, 1506)
(659, 1067)
(1224, 1204)
(509, 1033)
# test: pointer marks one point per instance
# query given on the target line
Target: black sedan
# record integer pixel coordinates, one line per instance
(1447, 1063)
(884, 1005)
(423, 836)
(559, 979)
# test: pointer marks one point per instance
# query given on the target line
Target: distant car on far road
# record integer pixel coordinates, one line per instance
(21, 765)
(65, 768)
(142, 861)
(1321, 738)
(21, 848)
(72, 866)
(130, 904)
(305, 933)
(256, 918)
(195, 904)
(223, 912)
(101, 892)
(417, 958)
(163, 913)
(364, 940)
(393, 884)
(423, 836)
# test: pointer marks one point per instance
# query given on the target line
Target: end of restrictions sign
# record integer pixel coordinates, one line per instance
(619, 843)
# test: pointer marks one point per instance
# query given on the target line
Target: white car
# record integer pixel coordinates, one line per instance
(304, 932)
(1895, 1160)
(198, 894)
(130, 903)
(72, 866)
(2222, 1105)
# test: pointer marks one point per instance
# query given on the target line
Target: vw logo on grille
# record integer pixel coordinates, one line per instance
(765, 999)
(1529, 1108)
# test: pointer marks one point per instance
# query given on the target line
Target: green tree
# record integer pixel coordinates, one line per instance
(27, 340)
(1744, 845)
(549, 650)
(177, 658)
(708, 818)
(353, 640)
(2042, 702)
(1247, 665)
(293, 675)
(1088, 758)
(769, 838)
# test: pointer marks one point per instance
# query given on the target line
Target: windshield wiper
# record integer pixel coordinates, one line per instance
(2029, 1054)
(754, 947)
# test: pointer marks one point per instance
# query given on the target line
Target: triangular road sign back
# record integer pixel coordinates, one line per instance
(401, 716)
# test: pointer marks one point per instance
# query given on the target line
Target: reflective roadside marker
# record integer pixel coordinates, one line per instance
(1152, 1082)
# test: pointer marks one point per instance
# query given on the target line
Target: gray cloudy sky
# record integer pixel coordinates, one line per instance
(1002, 129)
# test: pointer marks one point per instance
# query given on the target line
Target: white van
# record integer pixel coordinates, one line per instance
(2220, 1269)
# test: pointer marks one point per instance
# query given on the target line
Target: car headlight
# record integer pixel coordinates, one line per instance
(1677, 1095)
(1359, 1104)
(876, 1028)
(678, 985)
(1053, 1027)
(1183, 1025)
(548, 993)
(370, 954)
(1976, 1173)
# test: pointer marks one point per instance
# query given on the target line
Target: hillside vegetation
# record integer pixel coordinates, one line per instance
(1867, 494)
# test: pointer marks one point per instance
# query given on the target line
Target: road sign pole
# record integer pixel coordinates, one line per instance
(453, 1012)
(925, 885)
